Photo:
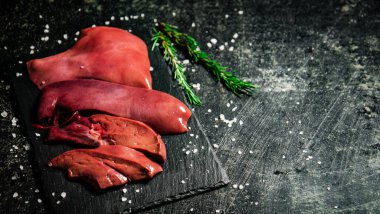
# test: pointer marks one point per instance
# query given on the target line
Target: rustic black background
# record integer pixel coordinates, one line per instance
(310, 138)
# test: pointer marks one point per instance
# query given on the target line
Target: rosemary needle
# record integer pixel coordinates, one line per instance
(170, 56)
(190, 45)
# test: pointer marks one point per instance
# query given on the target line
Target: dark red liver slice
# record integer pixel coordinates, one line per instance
(161, 111)
(104, 53)
(107, 166)
(101, 129)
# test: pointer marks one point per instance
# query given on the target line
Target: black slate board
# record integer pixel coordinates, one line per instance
(184, 174)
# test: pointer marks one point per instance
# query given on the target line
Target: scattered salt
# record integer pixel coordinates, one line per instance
(209, 44)
(193, 24)
(328, 188)
(217, 211)
(235, 186)
(250, 151)
(240, 12)
(63, 194)
(174, 14)
(241, 186)
(123, 199)
(58, 202)
(21, 167)
(213, 41)
(226, 16)
(112, 18)
(183, 182)
(209, 110)
(283, 156)
(234, 109)
(137, 190)
(4, 114)
(15, 195)
(221, 47)
(232, 40)
(195, 151)
(319, 162)
(107, 22)
(231, 48)
(187, 152)
(39, 201)
(215, 146)
(13, 135)
(233, 139)
(240, 152)
(235, 36)
(65, 36)
(301, 132)
(129, 201)
(59, 41)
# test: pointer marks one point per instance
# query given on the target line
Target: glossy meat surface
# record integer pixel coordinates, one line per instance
(161, 111)
(101, 129)
(104, 53)
(106, 166)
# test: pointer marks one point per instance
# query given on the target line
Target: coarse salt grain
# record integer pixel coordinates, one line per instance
(209, 110)
(256, 203)
(235, 36)
(186, 61)
(250, 151)
(195, 151)
(59, 41)
(137, 190)
(187, 152)
(183, 182)
(123, 199)
(232, 40)
(39, 200)
(240, 152)
(209, 44)
(221, 47)
(65, 36)
(231, 48)
(129, 201)
(15, 195)
(193, 24)
(319, 162)
(58, 202)
(47, 26)
(235, 186)
(21, 167)
(112, 18)
(241, 186)
(228, 105)
(63, 194)
(234, 108)
(4, 114)
(215, 146)
(13, 135)
(151, 68)
(226, 16)
(174, 14)
(107, 22)
(217, 211)
(240, 12)
(124, 190)
(213, 41)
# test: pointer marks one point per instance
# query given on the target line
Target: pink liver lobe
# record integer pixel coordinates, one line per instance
(161, 111)
(104, 53)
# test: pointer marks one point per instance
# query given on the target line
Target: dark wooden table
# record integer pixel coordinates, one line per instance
(308, 141)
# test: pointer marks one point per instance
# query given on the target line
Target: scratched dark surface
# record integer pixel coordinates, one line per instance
(309, 141)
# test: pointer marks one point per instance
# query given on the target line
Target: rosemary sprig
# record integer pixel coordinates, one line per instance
(170, 56)
(190, 45)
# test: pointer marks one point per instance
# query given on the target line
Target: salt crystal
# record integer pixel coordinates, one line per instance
(137, 190)
(217, 211)
(58, 202)
(209, 110)
(240, 122)
(186, 61)
(231, 48)
(213, 41)
(15, 195)
(47, 26)
(240, 152)
(77, 33)
(209, 44)
(228, 105)
(36, 190)
(191, 135)
(250, 151)
(129, 201)
(215, 146)
(216, 126)
(59, 41)
(63, 194)
(187, 152)
(233, 139)
(191, 209)
(46, 31)
(193, 24)
(107, 22)
(235, 186)
(241, 186)
(195, 151)
(13, 135)
(328, 188)
(39, 201)
(21, 167)
(235, 36)
(319, 162)
(4, 114)
(283, 156)
(32, 47)
(174, 14)
(232, 40)
(123, 199)
(65, 36)
(112, 18)
(335, 207)
(183, 182)
(240, 12)
(19, 62)
(301, 132)
(299, 121)
(226, 16)
(256, 203)
(221, 47)
(234, 109)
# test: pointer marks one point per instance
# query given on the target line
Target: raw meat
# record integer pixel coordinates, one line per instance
(104, 53)
(161, 111)
(107, 166)
(101, 129)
